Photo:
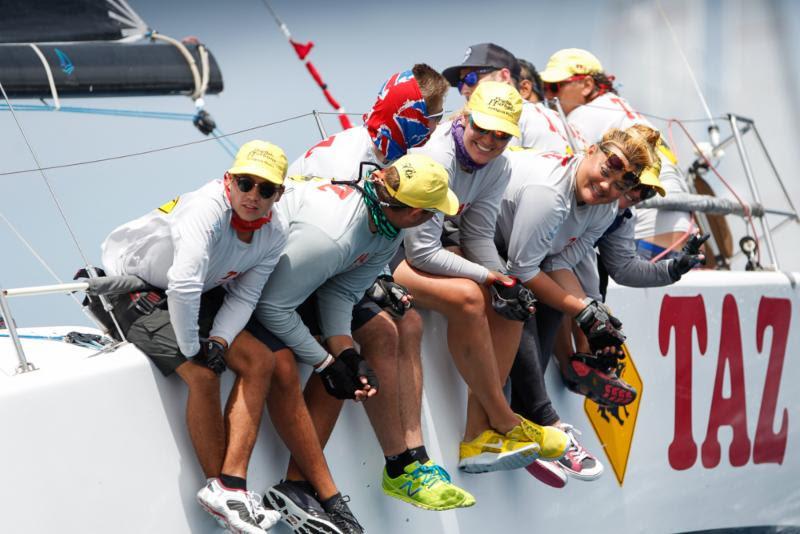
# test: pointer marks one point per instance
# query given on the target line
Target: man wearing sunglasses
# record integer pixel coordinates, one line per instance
(591, 103)
(206, 256)
(541, 128)
(342, 235)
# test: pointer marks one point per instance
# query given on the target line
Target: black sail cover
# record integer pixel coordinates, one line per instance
(93, 48)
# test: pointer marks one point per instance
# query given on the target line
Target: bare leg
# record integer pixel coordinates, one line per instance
(204, 416)
(245, 403)
(289, 415)
(379, 345)
(462, 302)
(410, 368)
(563, 343)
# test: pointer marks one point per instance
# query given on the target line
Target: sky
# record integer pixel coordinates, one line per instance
(745, 55)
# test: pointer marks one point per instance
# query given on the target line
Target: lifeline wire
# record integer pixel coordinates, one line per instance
(152, 151)
(44, 177)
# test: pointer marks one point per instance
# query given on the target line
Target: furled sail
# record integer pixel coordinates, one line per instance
(72, 48)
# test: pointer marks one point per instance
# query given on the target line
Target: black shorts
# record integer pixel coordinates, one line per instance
(363, 312)
(153, 334)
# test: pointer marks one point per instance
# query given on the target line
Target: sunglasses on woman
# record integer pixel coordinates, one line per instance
(246, 184)
(555, 87)
(471, 78)
(497, 134)
(615, 163)
(642, 191)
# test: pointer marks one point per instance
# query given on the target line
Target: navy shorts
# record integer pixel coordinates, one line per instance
(363, 312)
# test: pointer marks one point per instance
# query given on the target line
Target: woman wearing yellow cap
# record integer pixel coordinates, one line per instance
(207, 255)
(592, 104)
(454, 280)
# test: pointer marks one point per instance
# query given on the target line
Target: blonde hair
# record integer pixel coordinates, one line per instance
(637, 143)
(432, 85)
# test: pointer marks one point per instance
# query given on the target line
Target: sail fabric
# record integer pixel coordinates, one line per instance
(50, 21)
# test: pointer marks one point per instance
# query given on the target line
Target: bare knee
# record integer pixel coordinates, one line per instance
(468, 301)
(250, 358)
(284, 376)
(199, 378)
(410, 325)
(378, 335)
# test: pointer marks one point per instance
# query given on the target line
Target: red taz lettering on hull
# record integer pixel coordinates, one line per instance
(777, 313)
(731, 411)
(684, 314)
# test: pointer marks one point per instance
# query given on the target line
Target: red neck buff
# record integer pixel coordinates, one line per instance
(239, 224)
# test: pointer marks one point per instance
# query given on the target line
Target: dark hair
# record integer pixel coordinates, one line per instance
(604, 83)
(529, 72)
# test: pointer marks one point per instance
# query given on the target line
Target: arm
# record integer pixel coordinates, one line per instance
(424, 251)
(299, 273)
(477, 226)
(573, 253)
(625, 267)
(192, 237)
(243, 294)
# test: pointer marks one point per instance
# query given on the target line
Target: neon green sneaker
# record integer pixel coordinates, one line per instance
(492, 451)
(427, 486)
(552, 442)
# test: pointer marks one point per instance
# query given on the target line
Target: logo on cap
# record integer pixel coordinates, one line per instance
(467, 54)
(501, 105)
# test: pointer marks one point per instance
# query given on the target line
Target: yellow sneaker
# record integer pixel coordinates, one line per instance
(492, 451)
(427, 486)
(552, 443)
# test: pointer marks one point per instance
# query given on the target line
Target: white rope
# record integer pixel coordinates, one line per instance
(49, 72)
(199, 90)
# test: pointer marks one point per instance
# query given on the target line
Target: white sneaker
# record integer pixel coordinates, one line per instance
(266, 517)
(232, 508)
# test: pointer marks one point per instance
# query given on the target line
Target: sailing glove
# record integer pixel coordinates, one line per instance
(601, 328)
(212, 355)
(388, 294)
(512, 300)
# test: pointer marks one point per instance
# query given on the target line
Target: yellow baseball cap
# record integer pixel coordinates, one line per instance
(496, 106)
(650, 176)
(570, 62)
(424, 183)
(262, 159)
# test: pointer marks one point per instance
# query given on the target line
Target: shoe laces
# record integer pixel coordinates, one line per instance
(576, 450)
(431, 475)
(340, 510)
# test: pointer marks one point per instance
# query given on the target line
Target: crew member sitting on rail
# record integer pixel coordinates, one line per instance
(207, 255)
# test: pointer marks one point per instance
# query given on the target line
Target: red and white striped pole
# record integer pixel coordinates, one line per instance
(302, 50)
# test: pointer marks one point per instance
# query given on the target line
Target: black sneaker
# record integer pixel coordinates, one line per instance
(300, 508)
(341, 515)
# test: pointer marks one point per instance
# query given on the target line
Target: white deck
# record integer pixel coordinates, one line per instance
(98, 444)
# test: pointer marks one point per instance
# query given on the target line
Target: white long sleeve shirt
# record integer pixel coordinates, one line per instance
(192, 248)
(338, 157)
(543, 130)
(479, 193)
(331, 251)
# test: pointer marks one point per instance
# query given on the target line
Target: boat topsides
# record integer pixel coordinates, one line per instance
(711, 442)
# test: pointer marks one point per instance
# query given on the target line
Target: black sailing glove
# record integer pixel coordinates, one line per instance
(388, 294)
(513, 301)
(689, 258)
(601, 329)
(212, 355)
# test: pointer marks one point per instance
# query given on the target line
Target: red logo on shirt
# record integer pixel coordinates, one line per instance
(323, 143)
(463, 207)
(228, 277)
(361, 260)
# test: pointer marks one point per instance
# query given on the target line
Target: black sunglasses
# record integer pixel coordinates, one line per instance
(645, 192)
(265, 189)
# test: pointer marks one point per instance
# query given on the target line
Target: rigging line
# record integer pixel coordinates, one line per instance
(44, 176)
(688, 66)
(155, 150)
(36, 255)
(163, 115)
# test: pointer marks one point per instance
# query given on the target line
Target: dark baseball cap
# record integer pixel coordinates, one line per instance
(484, 55)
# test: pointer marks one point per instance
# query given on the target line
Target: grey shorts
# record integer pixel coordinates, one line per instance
(153, 333)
